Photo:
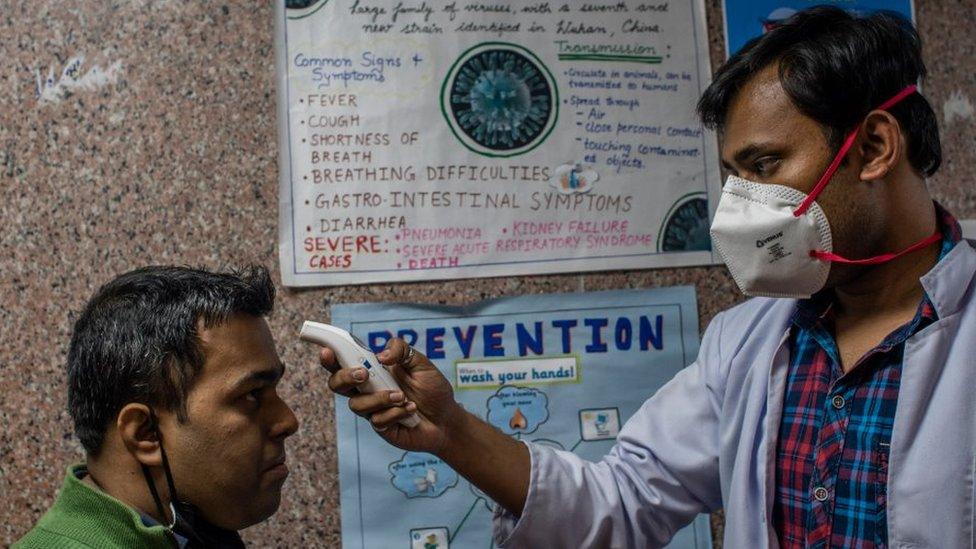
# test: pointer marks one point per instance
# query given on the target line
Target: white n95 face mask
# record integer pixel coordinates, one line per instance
(776, 240)
(767, 248)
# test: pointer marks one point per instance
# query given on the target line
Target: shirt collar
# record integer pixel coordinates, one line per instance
(951, 230)
(810, 311)
(147, 520)
(76, 493)
(947, 284)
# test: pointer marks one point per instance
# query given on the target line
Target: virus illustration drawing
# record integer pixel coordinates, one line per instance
(499, 100)
(685, 228)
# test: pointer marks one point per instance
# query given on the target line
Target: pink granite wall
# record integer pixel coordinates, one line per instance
(170, 157)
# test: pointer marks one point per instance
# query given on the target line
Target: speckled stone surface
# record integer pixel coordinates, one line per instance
(168, 155)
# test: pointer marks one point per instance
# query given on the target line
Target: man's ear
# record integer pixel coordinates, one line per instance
(139, 431)
(881, 145)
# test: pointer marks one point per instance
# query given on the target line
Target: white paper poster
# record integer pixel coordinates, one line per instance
(443, 139)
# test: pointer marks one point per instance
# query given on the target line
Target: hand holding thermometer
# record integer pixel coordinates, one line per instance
(353, 353)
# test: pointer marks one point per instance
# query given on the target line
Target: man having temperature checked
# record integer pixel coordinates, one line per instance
(836, 409)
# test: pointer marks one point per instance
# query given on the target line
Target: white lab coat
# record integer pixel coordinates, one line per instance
(707, 439)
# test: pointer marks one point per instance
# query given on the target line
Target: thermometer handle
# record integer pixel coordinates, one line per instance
(351, 354)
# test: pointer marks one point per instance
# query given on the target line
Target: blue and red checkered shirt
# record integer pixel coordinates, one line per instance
(832, 453)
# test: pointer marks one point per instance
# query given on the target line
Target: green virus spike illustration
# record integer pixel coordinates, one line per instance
(686, 229)
(501, 100)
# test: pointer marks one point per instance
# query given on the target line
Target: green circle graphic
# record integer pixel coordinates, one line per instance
(304, 5)
(509, 95)
(685, 227)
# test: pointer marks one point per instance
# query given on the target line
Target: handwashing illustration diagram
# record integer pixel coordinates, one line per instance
(516, 411)
(560, 371)
(417, 475)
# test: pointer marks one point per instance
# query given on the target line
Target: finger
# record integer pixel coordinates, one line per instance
(398, 353)
(346, 380)
(391, 416)
(328, 360)
(395, 349)
(364, 405)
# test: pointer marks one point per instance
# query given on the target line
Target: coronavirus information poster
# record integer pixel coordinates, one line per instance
(441, 139)
(565, 371)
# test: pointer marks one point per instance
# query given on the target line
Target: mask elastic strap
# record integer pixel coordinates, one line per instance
(878, 259)
(154, 492)
(173, 497)
(839, 157)
(166, 471)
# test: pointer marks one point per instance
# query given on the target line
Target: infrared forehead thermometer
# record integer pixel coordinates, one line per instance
(353, 353)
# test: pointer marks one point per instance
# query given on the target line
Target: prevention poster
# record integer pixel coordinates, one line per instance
(437, 139)
(562, 370)
(747, 19)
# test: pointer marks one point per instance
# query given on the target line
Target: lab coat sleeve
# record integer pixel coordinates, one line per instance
(660, 474)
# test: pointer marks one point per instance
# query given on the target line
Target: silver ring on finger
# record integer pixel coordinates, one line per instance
(409, 357)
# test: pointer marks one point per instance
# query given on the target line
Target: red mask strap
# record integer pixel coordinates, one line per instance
(883, 258)
(848, 143)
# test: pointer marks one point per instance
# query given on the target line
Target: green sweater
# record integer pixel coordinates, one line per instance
(84, 517)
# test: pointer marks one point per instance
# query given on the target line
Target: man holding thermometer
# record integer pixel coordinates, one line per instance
(833, 410)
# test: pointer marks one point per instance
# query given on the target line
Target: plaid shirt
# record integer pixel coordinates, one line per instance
(832, 453)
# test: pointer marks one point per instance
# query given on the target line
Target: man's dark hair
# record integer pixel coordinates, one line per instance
(837, 67)
(137, 339)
